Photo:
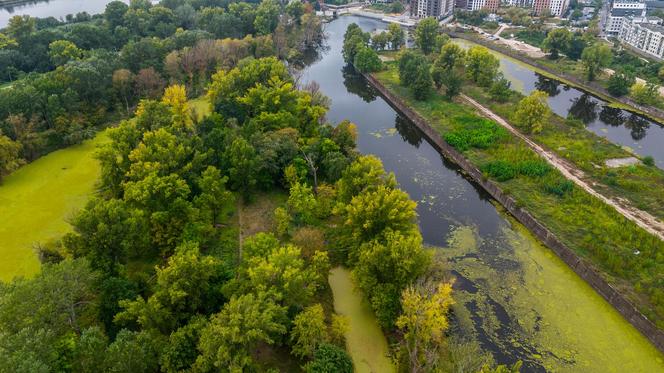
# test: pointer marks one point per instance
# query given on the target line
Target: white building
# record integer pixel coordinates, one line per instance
(555, 7)
(645, 34)
(621, 10)
(431, 8)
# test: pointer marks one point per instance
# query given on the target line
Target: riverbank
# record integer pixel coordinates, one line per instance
(593, 88)
(585, 250)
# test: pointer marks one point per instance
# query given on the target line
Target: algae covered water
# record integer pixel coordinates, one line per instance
(514, 296)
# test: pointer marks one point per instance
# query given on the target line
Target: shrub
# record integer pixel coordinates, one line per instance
(558, 186)
(534, 168)
(648, 160)
(500, 170)
(309, 240)
(477, 133)
(330, 359)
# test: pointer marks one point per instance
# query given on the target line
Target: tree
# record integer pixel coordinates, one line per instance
(386, 265)
(242, 161)
(447, 69)
(423, 323)
(188, 285)
(532, 112)
(245, 321)
(175, 96)
(309, 331)
(366, 173)
(619, 84)
(645, 94)
(330, 358)
(181, 351)
(7, 42)
(267, 17)
(108, 233)
(134, 352)
(409, 62)
(595, 58)
(20, 28)
(354, 39)
(123, 83)
(500, 89)
(396, 36)
(214, 196)
(425, 35)
(367, 60)
(481, 65)
(10, 159)
(302, 203)
(114, 14)
(63, 51)
(149, 84)
(423, 83)
(557, 40)
(379, 41)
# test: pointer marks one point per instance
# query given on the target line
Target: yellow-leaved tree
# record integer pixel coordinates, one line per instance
(176, 97)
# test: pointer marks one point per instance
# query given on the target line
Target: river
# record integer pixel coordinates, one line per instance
(52, 8)
(514, 296)
(632, 131)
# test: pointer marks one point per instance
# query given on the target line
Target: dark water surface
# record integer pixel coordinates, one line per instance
(514, 296)
(641, 135)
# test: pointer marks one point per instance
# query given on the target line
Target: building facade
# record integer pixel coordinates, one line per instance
(621, 10)
(645, 34)
(431, 8)
(556, 8)
(471, 5)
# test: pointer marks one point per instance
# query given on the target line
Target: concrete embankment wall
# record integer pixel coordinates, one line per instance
(654, 113)
(581, 267)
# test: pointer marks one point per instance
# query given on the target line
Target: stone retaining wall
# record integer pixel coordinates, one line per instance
(581, 267)
(654, 113)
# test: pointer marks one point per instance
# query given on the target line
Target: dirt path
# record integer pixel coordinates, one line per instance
(641, 218)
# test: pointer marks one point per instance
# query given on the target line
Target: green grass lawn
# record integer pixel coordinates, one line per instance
(36, 200)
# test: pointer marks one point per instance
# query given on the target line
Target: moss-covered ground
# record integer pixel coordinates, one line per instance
(36, 200)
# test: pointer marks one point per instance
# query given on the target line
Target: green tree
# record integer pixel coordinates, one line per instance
(500, 89)
(619, 84)
(242, 160)
(309, 331)
(595, 58)
(7, 42)
(409, 62)
(302, 204)
(88, 354)
(532, 112)
(189, 284)
(424, 322)
(267, 17)
(366, 173)
(108, 233)
(387, 264)
(181, 351)
(214, 196)
(645, 94)
(330, 358)
(367, 60)
(354, 40)
(20, 28)
(134, 352)
(227, 342)
(557, 40)
(63, 51)
(380, 41)
(425, 35)
(10, 159)
(114, 14)
(423, 82)
(396, 36)
(481, 66)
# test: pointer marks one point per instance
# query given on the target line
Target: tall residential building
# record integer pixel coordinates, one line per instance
(431, 8)
(645, 34)
(620, 11)
(556, 8)
(470, 5)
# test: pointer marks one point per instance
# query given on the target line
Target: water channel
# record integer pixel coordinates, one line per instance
(632, 131)
(514, 296)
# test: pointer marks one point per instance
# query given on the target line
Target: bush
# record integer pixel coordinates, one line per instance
(648, 160)
(500, 170)
(480, 134)
(534, 168)
(330, 359)
(558, 186)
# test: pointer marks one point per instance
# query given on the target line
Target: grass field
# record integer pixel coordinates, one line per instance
(36, 200)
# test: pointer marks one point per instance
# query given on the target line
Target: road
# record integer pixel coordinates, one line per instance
(571, 172)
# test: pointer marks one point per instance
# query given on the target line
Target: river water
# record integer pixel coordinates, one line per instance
(514, 296)
(632, 131)
(52, 8)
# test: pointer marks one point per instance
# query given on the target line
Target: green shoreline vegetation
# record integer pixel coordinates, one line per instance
(588, 226)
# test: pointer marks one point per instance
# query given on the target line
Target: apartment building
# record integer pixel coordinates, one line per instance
(556, 8)
(470, 5)
(431, 8)
(645, 34)
(620, 11)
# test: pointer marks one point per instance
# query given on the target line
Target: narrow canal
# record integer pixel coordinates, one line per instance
(632, 131)
(515, 297)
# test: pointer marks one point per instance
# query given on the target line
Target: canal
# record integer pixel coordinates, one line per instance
(629, 130)
(52, 8)
(514, 296)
